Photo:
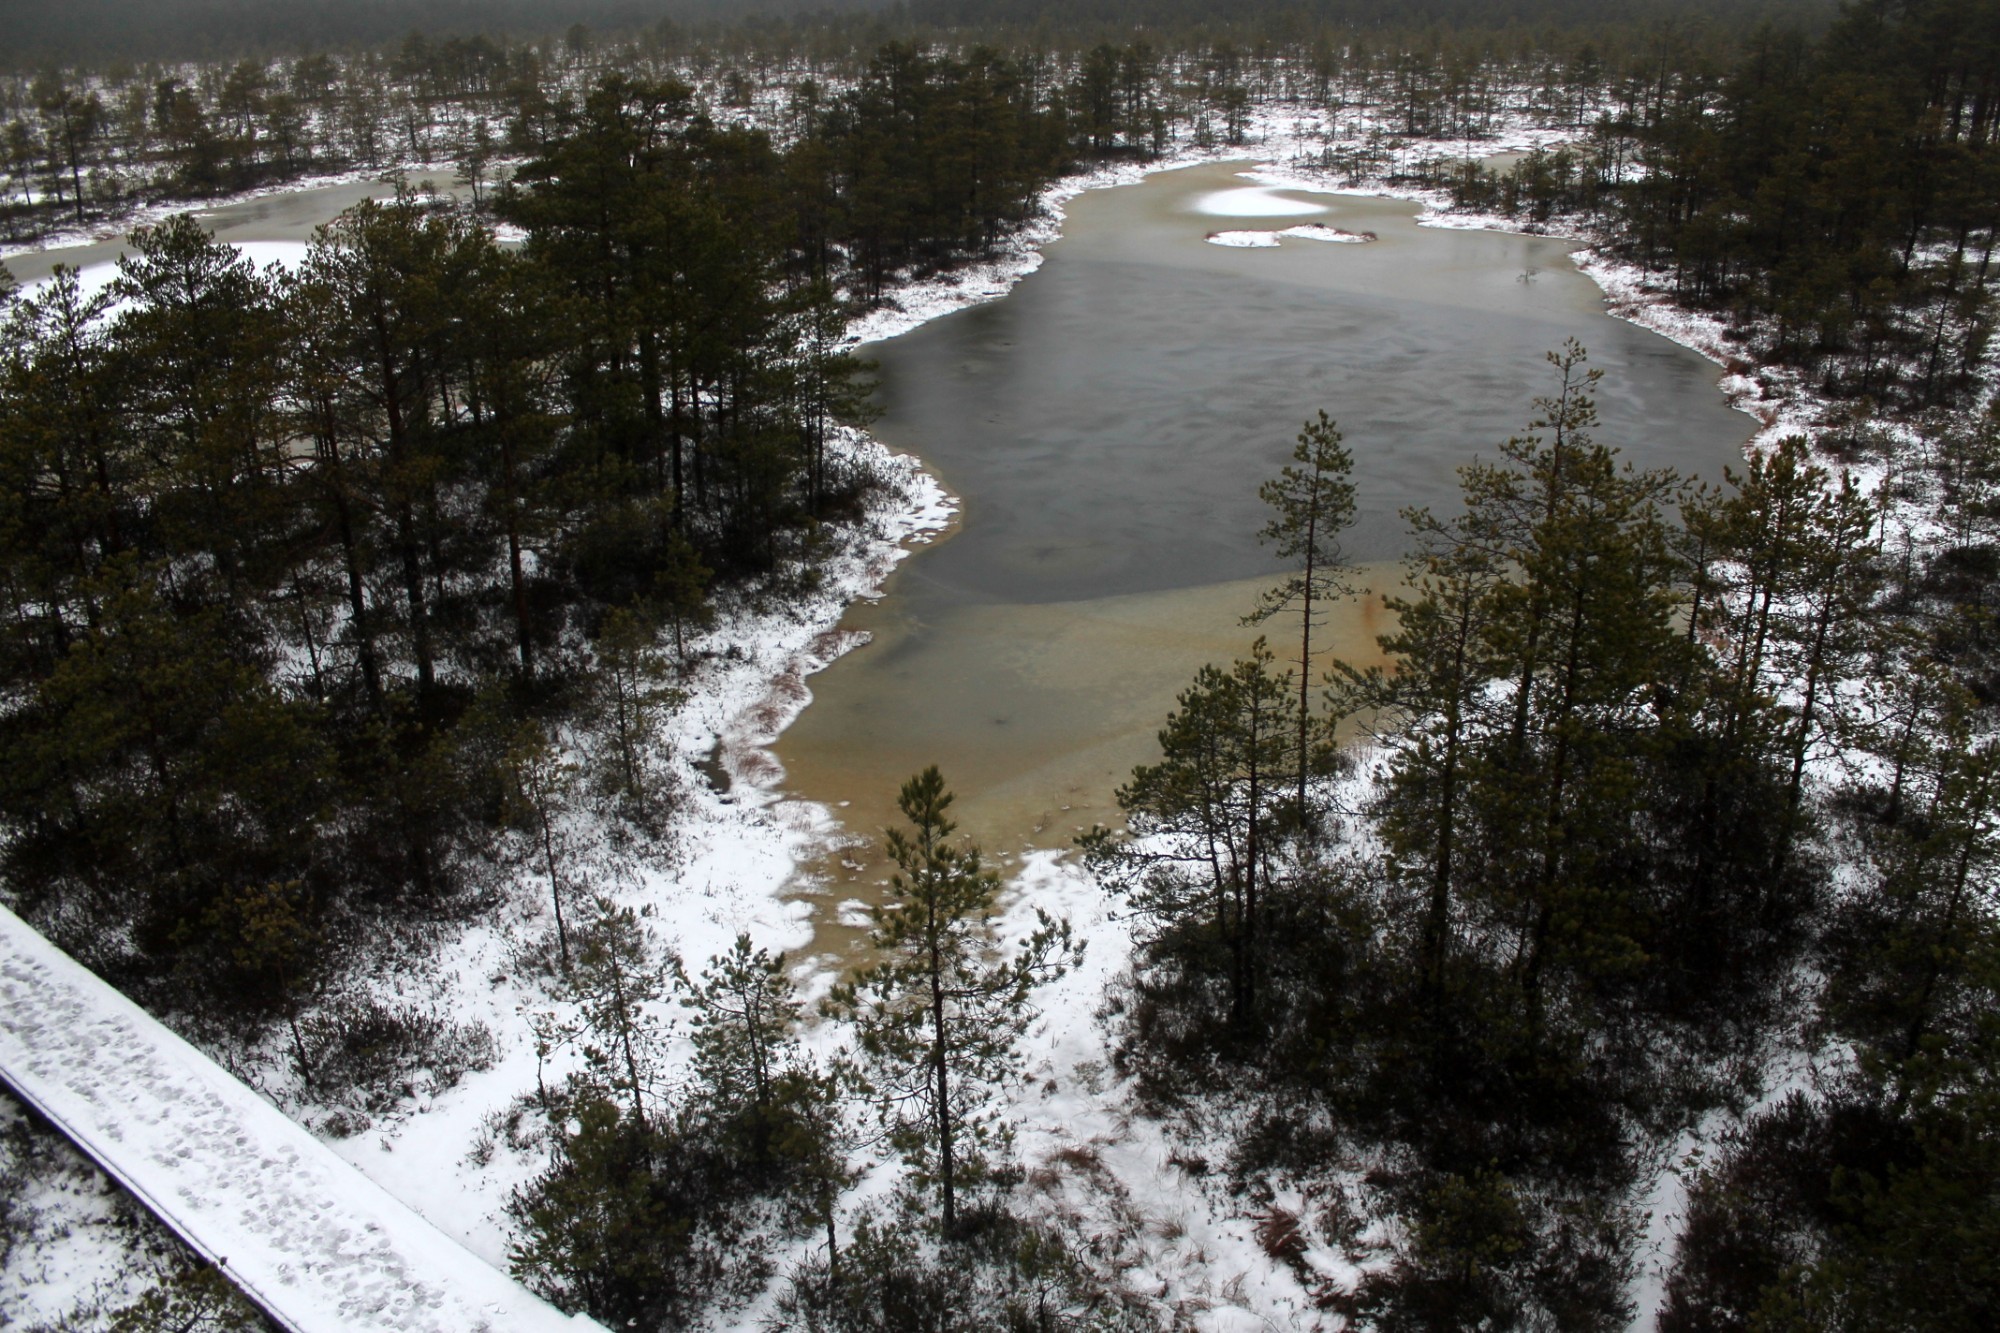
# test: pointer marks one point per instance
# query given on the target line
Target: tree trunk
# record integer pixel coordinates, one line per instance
(946, 1183)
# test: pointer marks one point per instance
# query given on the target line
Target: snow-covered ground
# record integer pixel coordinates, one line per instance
(1105, 1175)
(724, 872)
(1111, 1179)
(1099, 1170)
(71, 1241)
(1126, 1190)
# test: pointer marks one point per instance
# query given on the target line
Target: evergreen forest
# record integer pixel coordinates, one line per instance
(1620, 946)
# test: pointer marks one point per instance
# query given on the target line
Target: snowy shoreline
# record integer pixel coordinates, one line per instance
(147, 215)
(736, 854)
(1175, 1244)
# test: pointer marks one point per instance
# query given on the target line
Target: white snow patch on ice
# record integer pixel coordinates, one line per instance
(1265, 240)
(1254, 202)
(1313, 231)
(1244, 240)
(286, 254)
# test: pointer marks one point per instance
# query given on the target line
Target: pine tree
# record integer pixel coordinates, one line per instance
(73, 493)
(831, 384)
(1204, 822)
(617, 983)
(1430, 713)
(745, 1043)
(192, 1298)
(380, 281)
(599, 1229)
(1536, 655)
(271, 952)
(1315, 503)
(537, 782)
(1785, 600)
(197, 351)
(628, 694)
(760, 1095)
(680, 592)
(938, 1018)
(150, 775)
(1904, 952)
(505, 346)
(1582, 628)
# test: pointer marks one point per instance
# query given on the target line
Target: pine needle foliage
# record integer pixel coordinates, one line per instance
(937, 1018)
(1312, 502)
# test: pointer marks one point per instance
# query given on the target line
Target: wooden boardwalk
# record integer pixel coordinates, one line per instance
(314, 1242)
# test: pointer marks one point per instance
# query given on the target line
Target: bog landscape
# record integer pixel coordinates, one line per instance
(999, 665)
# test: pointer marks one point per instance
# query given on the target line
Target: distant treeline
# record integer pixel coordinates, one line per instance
(99, 30)
(95, 31)
(1840, 197)
(1460, 16)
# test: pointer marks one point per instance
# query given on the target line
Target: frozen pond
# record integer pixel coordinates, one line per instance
(288, 218)
(1108, 424)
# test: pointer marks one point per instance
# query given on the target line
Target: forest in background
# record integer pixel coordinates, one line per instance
(1671, 786)
(84, 142)
(101, 30)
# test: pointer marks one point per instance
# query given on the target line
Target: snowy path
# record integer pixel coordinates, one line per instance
(315, 1243)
